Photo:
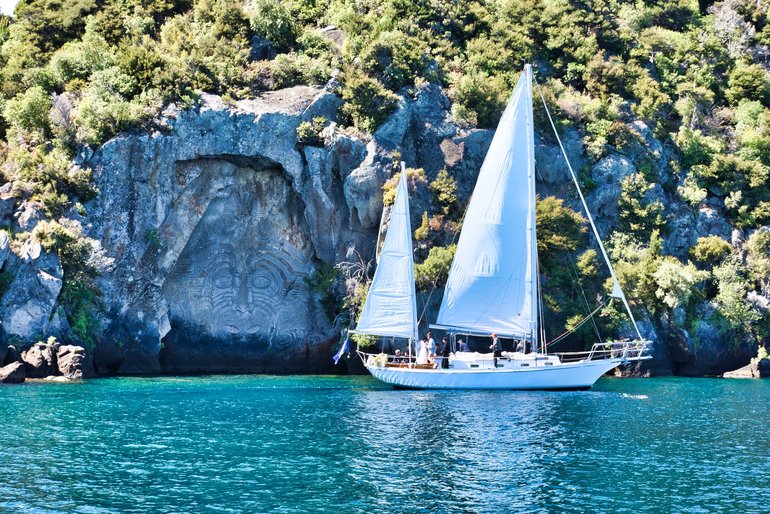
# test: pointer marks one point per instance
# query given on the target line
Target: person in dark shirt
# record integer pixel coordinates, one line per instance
(444, 353)
(496, 348)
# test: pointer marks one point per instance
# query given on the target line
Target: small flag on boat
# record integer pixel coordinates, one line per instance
(345, 346)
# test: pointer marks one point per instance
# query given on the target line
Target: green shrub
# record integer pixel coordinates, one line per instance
(748, 82)
(559, 228)
(48, 24)
(478, 98)
(696, 148)
(731, 299)
(309, 132)
(710, 251)
(271, 20)
(434, 270)
(677, 283)
(396, 58)
(639, 214)
(6, 277)
(298, 69)
(79, 59)
(415, 179)
(444, 190)
(421, 232)
(758, 256)
(324, 282)
(99, 118)
(367, 104)
(29, 111)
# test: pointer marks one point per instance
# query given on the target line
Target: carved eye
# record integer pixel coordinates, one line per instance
(223, 279)
(260, 282)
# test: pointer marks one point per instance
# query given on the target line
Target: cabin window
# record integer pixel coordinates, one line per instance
(524, 365)
(474, 365)
(549, 363)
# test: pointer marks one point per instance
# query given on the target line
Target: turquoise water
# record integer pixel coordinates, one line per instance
(320, 444)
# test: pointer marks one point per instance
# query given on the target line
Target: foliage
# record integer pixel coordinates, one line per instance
(6, 277)
(434, 270)
(421, 232)
(415, 180)
(79, 294)
(640, 212)
(559, 228)
(309, 132)
(731, 299)
(444, 189)
(271, 20)
(28, 112)
(325, 283)
(709, 251)
(478, 98)
(758, 256)
(677, 282)
(367, 103)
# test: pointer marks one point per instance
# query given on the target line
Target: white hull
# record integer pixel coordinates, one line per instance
(577, 375)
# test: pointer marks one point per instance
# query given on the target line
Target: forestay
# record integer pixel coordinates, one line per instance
(491, 285)
(390, 308)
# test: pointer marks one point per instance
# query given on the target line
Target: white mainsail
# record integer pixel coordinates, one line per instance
(391, 305)
(492, 284)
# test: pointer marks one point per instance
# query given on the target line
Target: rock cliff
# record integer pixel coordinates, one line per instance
(209, 226)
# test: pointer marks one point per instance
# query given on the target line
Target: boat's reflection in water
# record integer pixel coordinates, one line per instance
(488, 451)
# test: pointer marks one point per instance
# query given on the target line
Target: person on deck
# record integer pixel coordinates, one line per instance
(463, 346)
(445, 354)
(496, 348)
(422, 356)
(431, 345)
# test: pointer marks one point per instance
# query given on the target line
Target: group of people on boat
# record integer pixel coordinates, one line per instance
(429, 352)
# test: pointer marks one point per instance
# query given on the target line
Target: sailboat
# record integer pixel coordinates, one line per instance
(493, 286)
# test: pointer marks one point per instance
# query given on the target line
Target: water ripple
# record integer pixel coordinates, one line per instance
(313, 444)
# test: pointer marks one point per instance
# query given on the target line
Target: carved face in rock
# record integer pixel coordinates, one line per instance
(241, 274)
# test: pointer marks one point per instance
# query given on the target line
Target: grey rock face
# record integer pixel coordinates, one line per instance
(12, 373)
(73, 362)
(40, 360)
(608, 174)
(213, 227)
(29, 303)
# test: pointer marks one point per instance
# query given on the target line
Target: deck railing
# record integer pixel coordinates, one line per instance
(626, 350)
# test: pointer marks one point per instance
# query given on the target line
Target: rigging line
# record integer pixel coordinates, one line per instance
(583, 296)
(573, 267)
(588, 213)
(573, 329)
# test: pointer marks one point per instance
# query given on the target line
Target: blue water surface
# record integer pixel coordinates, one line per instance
(349, 444)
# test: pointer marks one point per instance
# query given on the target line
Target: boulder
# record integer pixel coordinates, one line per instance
(763, 368)
(13, 373)
(5, 248)
(7, 204)
(28, 214)
(74, 363)
(11, 355)
(40, 360)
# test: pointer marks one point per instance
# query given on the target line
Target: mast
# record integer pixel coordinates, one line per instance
(532, 219)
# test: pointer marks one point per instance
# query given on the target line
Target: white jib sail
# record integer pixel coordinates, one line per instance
(491, 285)
(391, 306)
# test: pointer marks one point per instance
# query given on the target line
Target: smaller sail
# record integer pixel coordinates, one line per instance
(391, 306)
